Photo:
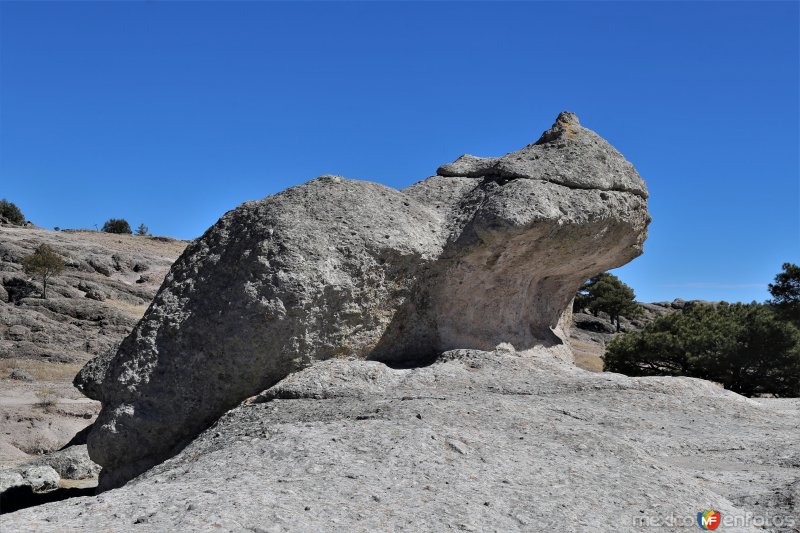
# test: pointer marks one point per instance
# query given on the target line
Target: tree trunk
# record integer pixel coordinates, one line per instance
(617, 324)
(44, 287)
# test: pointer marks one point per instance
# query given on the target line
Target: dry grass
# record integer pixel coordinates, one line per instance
(78, 483)
(129, 243)
(588, 356)
(132, 310)
(40, 370)
(48, 399)
(589, 362)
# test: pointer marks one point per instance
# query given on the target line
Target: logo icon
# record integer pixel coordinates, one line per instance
(708, 520)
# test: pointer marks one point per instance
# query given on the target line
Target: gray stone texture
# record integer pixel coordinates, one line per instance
(477, 441)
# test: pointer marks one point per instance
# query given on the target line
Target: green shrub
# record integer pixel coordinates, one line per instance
(43, 262)
(117, 225)
(745, 347)
(11, 212)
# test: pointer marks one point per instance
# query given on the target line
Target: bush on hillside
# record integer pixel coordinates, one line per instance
(117, 225)
(10, 211)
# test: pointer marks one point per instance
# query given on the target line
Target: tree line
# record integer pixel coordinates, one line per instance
(13, 214)
(752, 349)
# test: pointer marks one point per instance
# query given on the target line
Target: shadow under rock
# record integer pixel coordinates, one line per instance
(22, 497)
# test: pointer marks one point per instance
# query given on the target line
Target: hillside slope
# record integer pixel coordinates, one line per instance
(105, 288)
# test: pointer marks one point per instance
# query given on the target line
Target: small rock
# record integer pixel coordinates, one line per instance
(458, 446)
(41, 478)
(70, 463)
(10, 479)
(20, 375)
(19, 333)
(678, 303)
(505, 347)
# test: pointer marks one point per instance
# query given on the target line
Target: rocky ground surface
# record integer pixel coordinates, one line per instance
(108, 282)
(477, 441)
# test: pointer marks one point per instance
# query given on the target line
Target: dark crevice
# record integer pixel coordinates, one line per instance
(22, 497)
(503, 178)
(408, 361)
(498, 179)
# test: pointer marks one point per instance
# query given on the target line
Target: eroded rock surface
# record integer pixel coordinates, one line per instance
(477, 441)
(488, 251)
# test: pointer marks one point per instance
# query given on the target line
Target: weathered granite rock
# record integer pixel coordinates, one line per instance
(91, 376)
(70, 463)
(41, 478)
(567, 154)
(44, 473)
(477, 441)
(20, 375)
(489, 251)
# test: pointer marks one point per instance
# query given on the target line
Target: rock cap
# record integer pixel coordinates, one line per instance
(566, 154)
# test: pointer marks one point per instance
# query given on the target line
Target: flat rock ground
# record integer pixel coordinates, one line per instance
(478, 441)
(105, 288)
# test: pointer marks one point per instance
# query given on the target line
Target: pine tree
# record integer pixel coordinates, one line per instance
(786, 293)
(605, 292)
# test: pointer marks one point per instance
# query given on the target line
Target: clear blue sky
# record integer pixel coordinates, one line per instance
(172, 113)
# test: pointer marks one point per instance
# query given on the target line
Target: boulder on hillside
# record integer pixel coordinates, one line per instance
(488, 251)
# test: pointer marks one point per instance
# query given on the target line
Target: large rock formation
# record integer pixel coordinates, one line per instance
(488, 251)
